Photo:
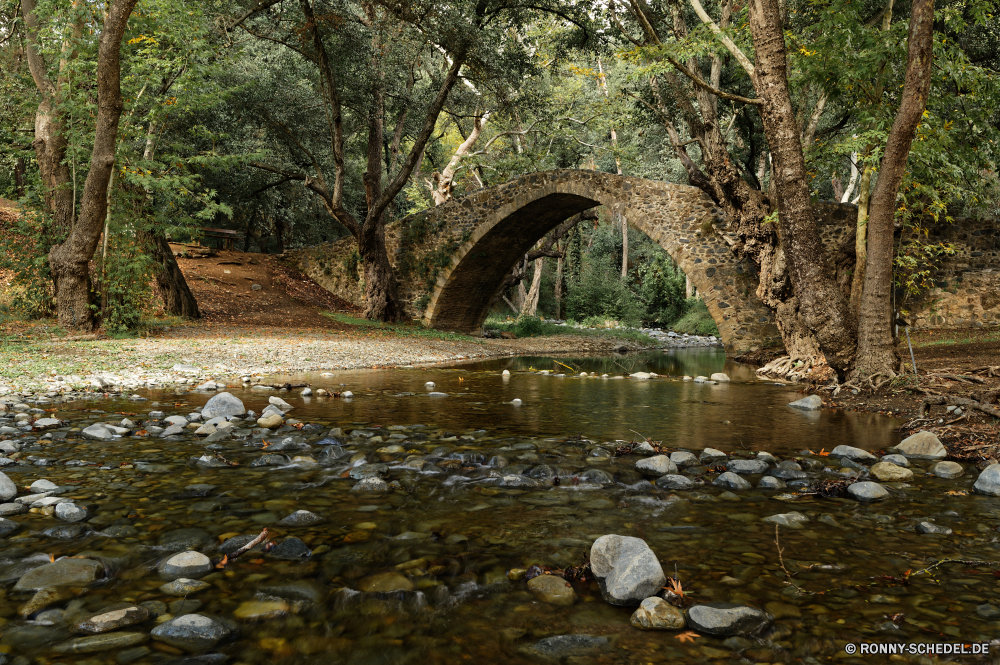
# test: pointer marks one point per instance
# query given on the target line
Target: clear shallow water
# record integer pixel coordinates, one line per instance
(456, 525)
(678, 413)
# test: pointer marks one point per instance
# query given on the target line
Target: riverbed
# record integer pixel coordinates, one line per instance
(425, 504)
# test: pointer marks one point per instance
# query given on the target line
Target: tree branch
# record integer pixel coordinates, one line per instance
(726, 41)
(698, 81)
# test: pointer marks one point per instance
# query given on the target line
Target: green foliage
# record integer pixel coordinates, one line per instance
(398, 329)
(127, 276)
(528, 326)
(602, 293)
(696, 320)
(661, 289)
(27, 240)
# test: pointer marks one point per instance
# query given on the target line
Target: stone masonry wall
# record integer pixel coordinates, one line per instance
(450, 259)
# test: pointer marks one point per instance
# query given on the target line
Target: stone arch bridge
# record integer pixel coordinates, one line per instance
(450, 260)
(490, 230)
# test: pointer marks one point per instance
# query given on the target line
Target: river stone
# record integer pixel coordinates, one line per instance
(626, 569)
(772, 483)
(852, 453)
(988, 481)
(8, 490)
(792, 520)
(96, 643)
(657, 614)
(291, 548)
(867, 491)
(897, 459)
(888, 472)
(71, 512)
(922, 445)
(674, 482)
(97, 432)
(657, 465)
(270, 459)
(721, 377)
(930, 527)
(558, 647)
(223, 405)
(747, 466)
(270, 421)
(46, 423)
(727, 619)
(731, 481)
(8, 509)
(43, 485)
(711, 454)
(810, 403)
(683, 458)
(262, 610)
(176, 420)
(183, 586)
(785, 473)
(65, 572)
(385, 583)
(113, 619)
(189, 564)
(373, 484)
(191, 632)
(947, 470)
(552, 589)
(8, 527)
(301, 518)
(280, 403)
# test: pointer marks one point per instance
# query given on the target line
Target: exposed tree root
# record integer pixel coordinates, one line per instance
(872, 383)
(787, 368)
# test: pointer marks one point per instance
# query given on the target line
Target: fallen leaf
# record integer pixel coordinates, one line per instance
(687, 636)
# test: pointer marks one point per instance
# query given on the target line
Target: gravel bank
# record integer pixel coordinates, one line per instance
(138, 363)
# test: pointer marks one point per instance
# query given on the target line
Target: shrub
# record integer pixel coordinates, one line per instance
(528, 326)
(602, 293)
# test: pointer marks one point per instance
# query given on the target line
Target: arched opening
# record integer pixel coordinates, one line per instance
(501, 225)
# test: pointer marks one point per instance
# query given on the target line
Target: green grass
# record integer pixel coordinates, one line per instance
(950, 341)
(400, 329)
(498, 322)
(696, 322)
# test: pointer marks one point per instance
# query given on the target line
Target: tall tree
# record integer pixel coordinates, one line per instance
(68, 260)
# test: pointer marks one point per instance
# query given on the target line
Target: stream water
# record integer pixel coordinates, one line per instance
(418, 571)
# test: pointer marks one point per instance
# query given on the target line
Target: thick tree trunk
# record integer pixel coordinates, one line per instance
(381, 293)
(173, 288)
(821, 307)
(69, 260)
(876, 346)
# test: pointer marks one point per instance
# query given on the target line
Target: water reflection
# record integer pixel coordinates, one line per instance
(742, 414)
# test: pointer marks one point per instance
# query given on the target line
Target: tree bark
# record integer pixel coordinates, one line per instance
(173, 288)
(876, 346)
(50, 141)
(69, 260)
(821, 305)
(531, 301)
(559, 281)
(381, 293)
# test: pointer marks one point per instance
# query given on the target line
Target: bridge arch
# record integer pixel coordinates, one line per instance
(493, 229)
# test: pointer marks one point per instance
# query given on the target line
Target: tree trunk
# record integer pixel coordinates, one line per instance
(19, 177)
(624, 246)
(530, 306)
(876, 346)
(861, 241)
(69, 260)
(381, 293)
(821, 305)
(559, 282)
(173, 288)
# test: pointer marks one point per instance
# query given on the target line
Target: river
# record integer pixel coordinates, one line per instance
(418, 571)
